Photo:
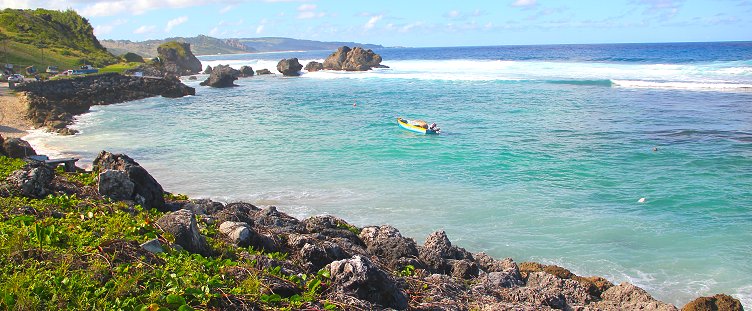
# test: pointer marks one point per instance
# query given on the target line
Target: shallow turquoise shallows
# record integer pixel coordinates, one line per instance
(542, 159)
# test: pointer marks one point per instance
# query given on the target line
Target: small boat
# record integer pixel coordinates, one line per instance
(418, 126)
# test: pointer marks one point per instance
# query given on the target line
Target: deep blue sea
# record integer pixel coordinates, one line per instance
(545, 155)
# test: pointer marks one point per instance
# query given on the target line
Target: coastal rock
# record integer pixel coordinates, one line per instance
(323, 222)
(718, 302)
(437, 250)
(289, 67)
(222, 76)
(626, 296)
(238, 232)
(147, 191)
(355, 59)
(572, 292)
(115, 185)
(314, 66)
(17, 148)
(246, 71)
(237, 212)
(182, 225)
(54, 103)
(132, 57)
(387, 243)
(34, 180)
(208, 70)
(263, 72)
(275, 221)
(594, 285)
(177, 59)
(358, 277)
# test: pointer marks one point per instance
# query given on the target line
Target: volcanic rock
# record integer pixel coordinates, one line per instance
(147, 191)
(314, 66)
(222, 76)
(182, 225)
(289, 67)
(355, 59)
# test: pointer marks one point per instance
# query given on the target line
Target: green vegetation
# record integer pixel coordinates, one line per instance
(80, 252)
(177, 46)
(119, 67)
(45, 37)
(132, 58)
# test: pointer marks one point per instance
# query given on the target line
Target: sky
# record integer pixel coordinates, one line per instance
(417, 23)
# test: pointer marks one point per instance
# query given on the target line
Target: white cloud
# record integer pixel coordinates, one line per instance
(453, 14)
(307, 7)
(372, 22)
(259, 29)
(108, 28)
(145, 29)
(214, 32)
(524, 3)
(226, 9)
(175, 22)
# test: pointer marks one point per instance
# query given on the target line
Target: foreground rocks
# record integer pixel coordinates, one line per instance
(16, 148)
(52, 104)
(370, 268)
(355, 59)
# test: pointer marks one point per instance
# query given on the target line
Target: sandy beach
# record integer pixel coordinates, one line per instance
(12, 121)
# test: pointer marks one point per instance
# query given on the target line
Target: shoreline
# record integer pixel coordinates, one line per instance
(13, 122)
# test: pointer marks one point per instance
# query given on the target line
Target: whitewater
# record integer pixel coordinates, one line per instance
(545, 153)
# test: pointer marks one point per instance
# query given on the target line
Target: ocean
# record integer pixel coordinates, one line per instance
(545, 154)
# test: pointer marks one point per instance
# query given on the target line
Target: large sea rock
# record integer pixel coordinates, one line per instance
(289, 67)
(222, 76)
(177, 58)
(355, 59)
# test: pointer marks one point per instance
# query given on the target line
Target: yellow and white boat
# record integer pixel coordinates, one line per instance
(418, 126)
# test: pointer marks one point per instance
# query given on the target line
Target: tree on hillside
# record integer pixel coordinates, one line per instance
(4, 38)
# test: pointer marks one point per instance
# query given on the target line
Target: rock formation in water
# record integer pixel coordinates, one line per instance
(222, 76)
(355, 59)
(289, 67)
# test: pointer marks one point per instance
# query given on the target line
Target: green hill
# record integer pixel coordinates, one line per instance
(200, 45)
(45, 37)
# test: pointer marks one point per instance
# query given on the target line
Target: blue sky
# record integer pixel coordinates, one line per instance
(418, 23)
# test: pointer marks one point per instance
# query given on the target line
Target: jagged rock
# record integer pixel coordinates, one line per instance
(264, 72)
(626, 296)
(356, 59)
(17, 148)
(115, 185)
(358, 277)
(177, 58)
(203, 206)
(182, 225)
(153, 246)
(387, 243)
(276, 221)
(208, 70)
(239, 212)
(464, 269)
(246, 71)
(147, 191)
(574, 294)
(132, 57)
(289, 67)
(437, 250)
(222, 76)
(594, 285)
(238, 232)
(318, 254)
(314, 66)
(33, 180)
(718, 302)
(323, 222)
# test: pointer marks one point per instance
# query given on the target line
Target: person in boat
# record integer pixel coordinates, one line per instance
(433, 127)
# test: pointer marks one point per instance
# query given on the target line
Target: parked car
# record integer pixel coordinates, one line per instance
(15, 78)
(52, 69)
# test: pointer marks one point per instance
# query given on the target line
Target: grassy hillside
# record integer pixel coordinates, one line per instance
(272, 44)
(200, 45)
(45, 37)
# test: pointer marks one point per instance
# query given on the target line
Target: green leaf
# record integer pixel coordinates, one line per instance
(175, 300)
(185, 308)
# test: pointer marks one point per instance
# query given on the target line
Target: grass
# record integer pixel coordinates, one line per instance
(119, 67)
(78, 252)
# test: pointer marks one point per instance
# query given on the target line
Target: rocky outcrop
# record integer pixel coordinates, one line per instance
(314, 66)
(718, 302)
(263, 72)
(146, 190)
(440, 256)
(360, 278)
(237, 232)
(177, 59)
(289, 67)
(387, 243)
(115, 185)
(132, 58)
(222, 76)
(208, 70)
(34, 180)
(246, 71)
(52, 104)
(355, 59)
(626, 296)
(182, 225)
(16, 148)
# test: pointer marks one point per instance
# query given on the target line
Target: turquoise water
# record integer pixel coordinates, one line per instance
(532, 163)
